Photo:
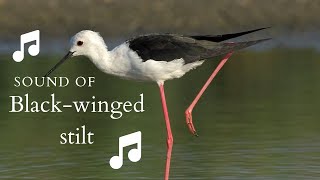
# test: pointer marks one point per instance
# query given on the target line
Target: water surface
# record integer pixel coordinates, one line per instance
(258, 120)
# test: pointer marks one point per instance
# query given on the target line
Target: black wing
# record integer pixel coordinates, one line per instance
(167, 47)
(223, 37)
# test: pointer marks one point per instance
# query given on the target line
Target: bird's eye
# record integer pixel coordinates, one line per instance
(79, 43)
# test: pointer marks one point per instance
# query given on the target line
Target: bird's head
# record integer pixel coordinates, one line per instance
(84, 43)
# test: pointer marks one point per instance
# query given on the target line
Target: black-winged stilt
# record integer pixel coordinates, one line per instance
(157, 57)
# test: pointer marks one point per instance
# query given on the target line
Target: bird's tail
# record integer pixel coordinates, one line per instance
(227, 47)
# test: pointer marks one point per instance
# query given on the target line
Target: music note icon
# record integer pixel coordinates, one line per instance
(33, 50)
(134, 155)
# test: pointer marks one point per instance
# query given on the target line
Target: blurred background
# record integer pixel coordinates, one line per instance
(258, 120)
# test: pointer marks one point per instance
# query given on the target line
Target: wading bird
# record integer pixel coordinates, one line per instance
(157, 58)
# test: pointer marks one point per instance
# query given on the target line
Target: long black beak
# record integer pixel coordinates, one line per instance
(67, 56)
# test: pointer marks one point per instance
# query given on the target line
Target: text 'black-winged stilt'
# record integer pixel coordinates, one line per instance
(157, 57)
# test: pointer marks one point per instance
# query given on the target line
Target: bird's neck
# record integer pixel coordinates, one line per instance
(107, 61)
(100, 57)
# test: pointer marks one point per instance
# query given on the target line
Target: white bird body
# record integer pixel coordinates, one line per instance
(125, 63)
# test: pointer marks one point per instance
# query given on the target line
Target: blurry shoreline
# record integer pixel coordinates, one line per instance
(125, 18)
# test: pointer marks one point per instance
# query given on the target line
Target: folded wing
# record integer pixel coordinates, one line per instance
(168, 47)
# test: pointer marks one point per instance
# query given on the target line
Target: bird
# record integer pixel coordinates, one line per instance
(157, 58)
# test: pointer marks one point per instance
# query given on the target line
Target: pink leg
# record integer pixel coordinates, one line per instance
(169, 133)
(188, 111)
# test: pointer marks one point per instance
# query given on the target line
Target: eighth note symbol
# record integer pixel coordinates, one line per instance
(33, 50)
(134, 155)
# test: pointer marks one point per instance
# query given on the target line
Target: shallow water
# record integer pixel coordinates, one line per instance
(258, 120)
